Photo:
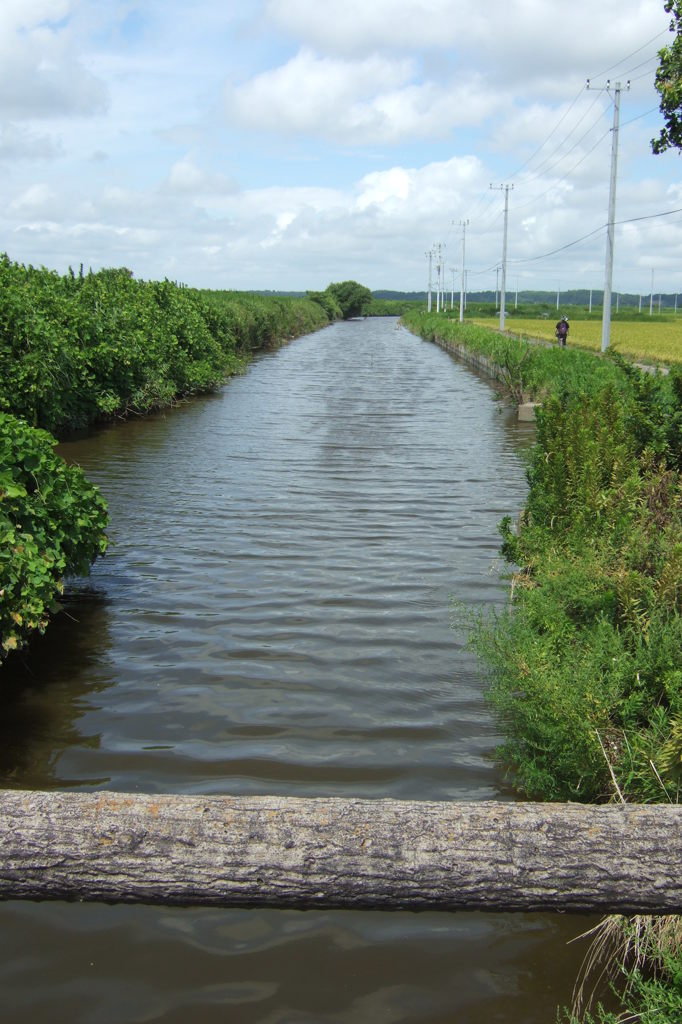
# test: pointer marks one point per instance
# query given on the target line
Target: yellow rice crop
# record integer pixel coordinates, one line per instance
(659, 342)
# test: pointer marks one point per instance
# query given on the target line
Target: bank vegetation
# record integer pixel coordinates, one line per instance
(585, 662)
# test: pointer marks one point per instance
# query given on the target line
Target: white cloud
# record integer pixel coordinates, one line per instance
(41, 74)
(19, 143)
(33, 198)
(186, 177)
(415, 191)
(369, 101)
(556, 34)
(318, 95)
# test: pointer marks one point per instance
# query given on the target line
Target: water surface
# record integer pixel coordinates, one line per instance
(274, 616)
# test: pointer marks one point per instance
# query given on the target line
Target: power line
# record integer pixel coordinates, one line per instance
(577, 241)
(543, 144)
(639, 49)
(533, 177)
(639, 116)
(638, 78)
(562, 248)
(490, 201)
(561, 180)
(640, 65)
(650, 216)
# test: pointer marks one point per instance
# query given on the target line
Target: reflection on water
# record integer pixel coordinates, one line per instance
(281, 966)
(273, 617)
(43, 699)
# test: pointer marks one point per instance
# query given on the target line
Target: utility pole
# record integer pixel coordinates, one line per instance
(442, 280)
(504, 249)
(611, 228)
(429, 254)
(651, 297)
(462, 289)
(439, 267)
(558, 295)
(590, 300)
(452, 290)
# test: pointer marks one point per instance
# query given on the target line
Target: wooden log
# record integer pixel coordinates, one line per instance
(389, 854)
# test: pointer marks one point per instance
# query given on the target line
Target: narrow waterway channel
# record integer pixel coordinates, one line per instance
(274, 617)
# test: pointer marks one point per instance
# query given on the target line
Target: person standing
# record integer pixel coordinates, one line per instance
(562, 331)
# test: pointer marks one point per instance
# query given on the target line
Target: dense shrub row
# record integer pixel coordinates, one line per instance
(76, 349)
(81, 348)
(253, 322)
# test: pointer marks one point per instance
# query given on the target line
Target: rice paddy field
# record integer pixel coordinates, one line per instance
(658, 341)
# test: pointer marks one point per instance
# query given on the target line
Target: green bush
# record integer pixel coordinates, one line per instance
(52, 525)
(252, 322)
(76, 349)
(353, 298)
(329, 303)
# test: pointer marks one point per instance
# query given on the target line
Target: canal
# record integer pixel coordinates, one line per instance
(274, 616)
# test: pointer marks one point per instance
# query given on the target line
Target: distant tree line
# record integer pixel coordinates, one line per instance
(571, 297)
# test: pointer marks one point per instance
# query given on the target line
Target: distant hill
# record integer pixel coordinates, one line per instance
(573, 297)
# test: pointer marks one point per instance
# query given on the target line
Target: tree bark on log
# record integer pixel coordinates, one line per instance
(384, 854)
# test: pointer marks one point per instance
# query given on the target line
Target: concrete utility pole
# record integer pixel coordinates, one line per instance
(504, 249)
(610, 231)
(651, 297)
(429, 254)
(442, 279)
(590, 300)
(558, 295)
(439, 268)
(462, 287)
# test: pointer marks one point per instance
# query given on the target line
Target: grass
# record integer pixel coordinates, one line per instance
(658, 341)
(644, 954)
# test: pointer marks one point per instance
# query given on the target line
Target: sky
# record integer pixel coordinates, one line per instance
(286, 144)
